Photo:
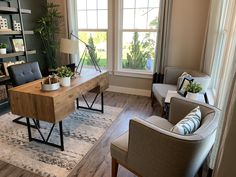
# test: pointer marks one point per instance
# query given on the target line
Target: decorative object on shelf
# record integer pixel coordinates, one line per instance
(72, 47)
(3, 48)
(193, 90)
(17, 26)
(48, 28)
(3, 23)
(17, 44)
(65, 74)
(7, 64)
(51, 83)
(182, 89)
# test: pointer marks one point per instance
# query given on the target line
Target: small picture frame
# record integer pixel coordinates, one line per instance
(17, 44)
(182, 90)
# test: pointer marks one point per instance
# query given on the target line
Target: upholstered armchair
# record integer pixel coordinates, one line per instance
(171, 75)
(150, 149)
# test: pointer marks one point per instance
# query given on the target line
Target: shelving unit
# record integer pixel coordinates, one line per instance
(11, 11)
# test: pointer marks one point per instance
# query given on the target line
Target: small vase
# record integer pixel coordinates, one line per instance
(3, 51)
(192, 96)
(65, 81)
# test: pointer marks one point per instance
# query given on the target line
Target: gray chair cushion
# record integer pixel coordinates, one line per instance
(160, 122)
(160, 91)
(119, 148)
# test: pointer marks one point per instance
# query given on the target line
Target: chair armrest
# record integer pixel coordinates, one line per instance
(172, 74)
(180, 107)
(151, 148)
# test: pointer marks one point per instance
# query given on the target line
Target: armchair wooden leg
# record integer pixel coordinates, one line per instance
(114, 167)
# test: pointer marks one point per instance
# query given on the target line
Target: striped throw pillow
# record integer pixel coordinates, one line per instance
(189, 123)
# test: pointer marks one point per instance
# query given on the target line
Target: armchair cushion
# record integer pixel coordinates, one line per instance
(160, 122)
(189, 123)
(119, 148)
(160, 91)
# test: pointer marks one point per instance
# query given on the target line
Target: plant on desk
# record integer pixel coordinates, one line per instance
(65, 74)
(193, 90)
(3, 48)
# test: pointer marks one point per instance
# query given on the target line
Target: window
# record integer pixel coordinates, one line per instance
(92, 28)
(138, 35)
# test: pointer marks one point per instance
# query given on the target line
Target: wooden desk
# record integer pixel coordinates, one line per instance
(29, 100)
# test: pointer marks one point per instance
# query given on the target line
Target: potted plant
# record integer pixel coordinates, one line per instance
(3, 48)
(193, 90)
(65, 74)
(48, 28)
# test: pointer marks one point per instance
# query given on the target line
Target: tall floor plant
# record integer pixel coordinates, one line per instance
(48, 29)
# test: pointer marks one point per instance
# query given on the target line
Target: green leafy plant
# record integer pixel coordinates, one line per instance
(139, 51)
(48, 28)
(193, 87)
(64, 71)
(3, 46)
(136, 58)
(92, 52)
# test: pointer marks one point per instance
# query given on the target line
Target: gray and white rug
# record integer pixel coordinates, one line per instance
(82, 129)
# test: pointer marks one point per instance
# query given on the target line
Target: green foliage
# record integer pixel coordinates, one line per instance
(64, 71)
(92, 52)
(3, 46)
(154, 23)
(139, 52)
(48, 28)
(193, 87)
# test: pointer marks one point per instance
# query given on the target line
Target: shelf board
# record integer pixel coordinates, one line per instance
(15, 32)
(16, 54)
(13, 10)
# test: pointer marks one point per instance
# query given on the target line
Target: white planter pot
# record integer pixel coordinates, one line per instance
(3, 51)
(192, 96)
(65, 81)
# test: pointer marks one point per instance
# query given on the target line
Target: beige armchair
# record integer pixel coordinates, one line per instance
(171, 75)
(149, 149)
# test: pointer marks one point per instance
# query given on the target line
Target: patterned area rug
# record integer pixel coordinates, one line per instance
(82, 129)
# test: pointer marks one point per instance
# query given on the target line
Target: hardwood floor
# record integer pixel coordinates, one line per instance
(97, 163)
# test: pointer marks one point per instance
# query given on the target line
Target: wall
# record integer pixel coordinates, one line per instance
(188, 26)
(63, 59)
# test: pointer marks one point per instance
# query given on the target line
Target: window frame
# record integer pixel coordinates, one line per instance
(108, 31)
(119, 70)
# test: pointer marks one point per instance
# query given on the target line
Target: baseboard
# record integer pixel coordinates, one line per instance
(132, 91)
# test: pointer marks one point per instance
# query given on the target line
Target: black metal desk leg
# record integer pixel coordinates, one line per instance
(28, 127)
(102, 103)
(61, 135)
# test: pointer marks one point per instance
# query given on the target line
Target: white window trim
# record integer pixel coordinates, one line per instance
(109, 32)
(118, 70)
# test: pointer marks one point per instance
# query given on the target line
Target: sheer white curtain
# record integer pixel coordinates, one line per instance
(73, 25)
(223, 62)
(212, 36)
(225, 164)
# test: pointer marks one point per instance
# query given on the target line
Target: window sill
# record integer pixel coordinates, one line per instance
(211, 96)
(136, 74)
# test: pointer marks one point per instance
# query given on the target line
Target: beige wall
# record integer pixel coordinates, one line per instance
(63, 58)
(188, 26)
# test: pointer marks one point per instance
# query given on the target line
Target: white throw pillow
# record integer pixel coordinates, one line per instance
(189, 123)
(203, 81)
(181, 79)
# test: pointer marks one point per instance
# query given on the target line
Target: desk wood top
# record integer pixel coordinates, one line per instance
(30, 101)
